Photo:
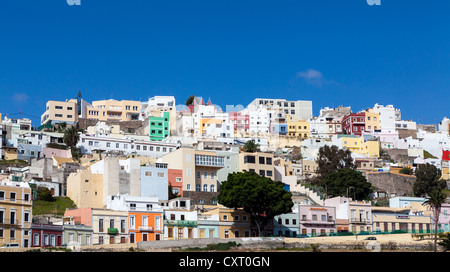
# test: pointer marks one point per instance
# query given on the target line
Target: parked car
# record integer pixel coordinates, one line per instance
(13, 245)
(371, 238)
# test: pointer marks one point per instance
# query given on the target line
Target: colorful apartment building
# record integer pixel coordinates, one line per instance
(180, 220)
(175, 178)
(15, 213)
(159, 126)
(145, 216)
(317, 220)
(365, 145)
(240, 121)
(105, 110)
(354, 123)
(47, 235)
(199, 168)
(298, 128)
(233, 223)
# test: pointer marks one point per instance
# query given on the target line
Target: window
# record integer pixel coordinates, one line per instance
(12, 197)
(212, 175)
(269, 161)
(148, 173)
(205, 188)
(269, 173)
(261, 160)
(2, 195)
(100, 225)
(262, 172)
(212, 188)
(160, 174)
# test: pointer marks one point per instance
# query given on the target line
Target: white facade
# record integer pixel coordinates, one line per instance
(259, 119)
(318, 127)
(133, 203)
(127, 146)
(388, 116)
(300, 109)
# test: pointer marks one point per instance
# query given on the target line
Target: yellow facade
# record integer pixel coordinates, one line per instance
(372, 120)
(233, 223)
(358, 145)
(260, 162)
(124, 110)
(85, 189)
(15, 213)
(299, 128)
(10, 153)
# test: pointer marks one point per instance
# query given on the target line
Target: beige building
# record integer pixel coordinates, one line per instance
(260, 162)
(414, 218)
(199, 168)
(109, 227)
(309, 168)
(59, 112)
(85, 189)
(15, 213)
(104, 110)
(90, 188)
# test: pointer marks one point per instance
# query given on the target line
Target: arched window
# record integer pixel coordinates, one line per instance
(205, 188)
(212, 188)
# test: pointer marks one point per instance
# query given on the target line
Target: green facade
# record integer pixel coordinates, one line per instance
(159, 127)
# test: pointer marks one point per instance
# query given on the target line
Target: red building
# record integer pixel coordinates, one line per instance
(46, 235)
(354, 123)
(176, 180)
(446, 155)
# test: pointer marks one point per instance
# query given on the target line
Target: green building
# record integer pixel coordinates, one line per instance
(159, 127)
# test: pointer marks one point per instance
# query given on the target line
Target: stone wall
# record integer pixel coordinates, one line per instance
(391, 183)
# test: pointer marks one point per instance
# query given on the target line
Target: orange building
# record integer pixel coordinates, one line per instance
(176, 180)
(145, 216)
(145, 225)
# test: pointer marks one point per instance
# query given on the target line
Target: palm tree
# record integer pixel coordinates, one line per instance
(71, 136)
(435, 201)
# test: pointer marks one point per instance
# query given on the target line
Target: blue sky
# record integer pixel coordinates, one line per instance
(328, 51)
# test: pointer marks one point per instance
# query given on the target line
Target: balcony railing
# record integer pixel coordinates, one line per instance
(146, 228)
(181, 223)
(359, 221)
(113, 231)
(310, 221)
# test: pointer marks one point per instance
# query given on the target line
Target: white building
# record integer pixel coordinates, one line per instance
(126, 145)
(259, 119)
(388, 116)
(180, 220)
(300, 109)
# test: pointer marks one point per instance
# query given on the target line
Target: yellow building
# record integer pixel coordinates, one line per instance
(233, 223)
(298, 128)
(15, 213)
(59, 112)
(104, 110)
(368, 147)
(372, 120)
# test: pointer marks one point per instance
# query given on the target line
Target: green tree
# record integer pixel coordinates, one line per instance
(435, 201)
(332, 159)
(406, 171)
(251, 146)
(347, 182)
(190, 100)
(427, 180)
(259, 196)
(45, 194)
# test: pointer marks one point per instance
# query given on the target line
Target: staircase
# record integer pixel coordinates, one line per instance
(310, 194)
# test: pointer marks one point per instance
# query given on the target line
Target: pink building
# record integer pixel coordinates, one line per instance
(50, 152)
(81, 216)
(240, 121)
(317, 220)
(444, 218)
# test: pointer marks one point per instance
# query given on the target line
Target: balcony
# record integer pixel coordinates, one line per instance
(146, 228)
(113, 231)
(310, 221)
(9, 223)
(359, 221)
(181, 223)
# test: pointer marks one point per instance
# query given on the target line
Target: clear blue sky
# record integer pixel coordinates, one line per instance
(329, 51)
